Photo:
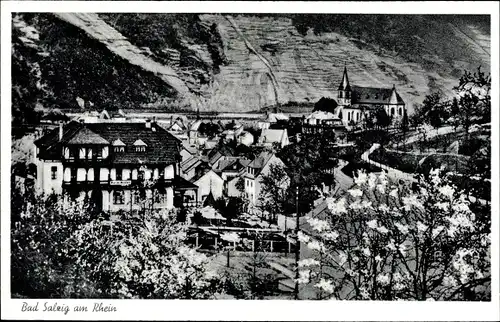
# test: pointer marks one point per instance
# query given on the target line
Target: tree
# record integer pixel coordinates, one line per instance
(325, 104)
(309, 164)
(474, 99)
(274, 194)
(381, 118)
(387, 242)
(59, 251)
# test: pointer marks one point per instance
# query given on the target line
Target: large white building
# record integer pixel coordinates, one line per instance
(118, 165)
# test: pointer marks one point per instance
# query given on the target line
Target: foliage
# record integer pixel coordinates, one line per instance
(382, 120)
(209, 129)
(59, 250)
(325, 104)
(309, 164)
(274, 196)
(434, 110)
(474, 98)
(231, 208)
(390, 242)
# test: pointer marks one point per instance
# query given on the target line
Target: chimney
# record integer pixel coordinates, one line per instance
(148, 123)
(60, 131)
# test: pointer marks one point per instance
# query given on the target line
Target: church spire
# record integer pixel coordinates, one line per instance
(394, 95)
(344, 84)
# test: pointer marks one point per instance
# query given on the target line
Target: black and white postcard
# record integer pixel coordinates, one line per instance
(260, 161)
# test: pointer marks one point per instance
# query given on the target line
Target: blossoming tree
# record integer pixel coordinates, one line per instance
(59, 250)
(392, 242)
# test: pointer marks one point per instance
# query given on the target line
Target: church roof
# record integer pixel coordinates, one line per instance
(373, 95)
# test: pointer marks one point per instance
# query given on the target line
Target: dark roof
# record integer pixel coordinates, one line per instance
(181, 183)
(372, 95)
(210, 200)
(233, 164)
(162, 147)
(86, 136)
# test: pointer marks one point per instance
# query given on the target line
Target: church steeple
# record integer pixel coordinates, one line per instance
(394, 97)
(344, 84)
(344, 90)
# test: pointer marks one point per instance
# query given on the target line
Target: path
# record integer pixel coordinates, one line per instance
(398, 174)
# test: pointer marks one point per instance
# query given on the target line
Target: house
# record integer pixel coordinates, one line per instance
(109, 162)
(193, 132)
(208, 182)
(271, 118)
(255, 170)
(187, 151)
(190, 167)
(177, 126)
(355, 103)
(230, 168)
(270, 136)
(219, 153)
(245, 138)
(320, 121)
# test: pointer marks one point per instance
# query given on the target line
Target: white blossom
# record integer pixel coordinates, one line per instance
(394, 193)
(442, 205)
(308, 262)
(325, 285)
(382, 230)
(383, 279)
(391, 245)
(378, 258)
(366, 251)
(449, 281)
(447, 191)
(316, 245)
(402, 228)
(421, 227)
(318, 224)
(303, 238)
(304, 277)
(383, 207)
(336, 207)
(372, 224)
(355, 192)
(360, 178)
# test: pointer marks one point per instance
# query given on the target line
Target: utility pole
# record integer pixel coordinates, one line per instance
(297, 243)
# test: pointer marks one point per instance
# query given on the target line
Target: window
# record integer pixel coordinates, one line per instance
(392, 111)
(118, 174)
(400, 111)
(53, 173)
(118, 198)
(119, 149)
(135, 197)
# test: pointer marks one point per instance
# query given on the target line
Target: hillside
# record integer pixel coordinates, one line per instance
(239, 62)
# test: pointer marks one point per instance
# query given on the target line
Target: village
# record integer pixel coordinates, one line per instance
(250, 189)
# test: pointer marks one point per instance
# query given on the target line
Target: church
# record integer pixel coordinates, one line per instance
(355, 102)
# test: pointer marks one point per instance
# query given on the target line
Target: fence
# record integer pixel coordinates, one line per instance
(271, 242)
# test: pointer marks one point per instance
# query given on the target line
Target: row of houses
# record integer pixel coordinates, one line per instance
(129, 165)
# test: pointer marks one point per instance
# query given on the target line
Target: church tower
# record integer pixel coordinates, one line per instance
(344, 90)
